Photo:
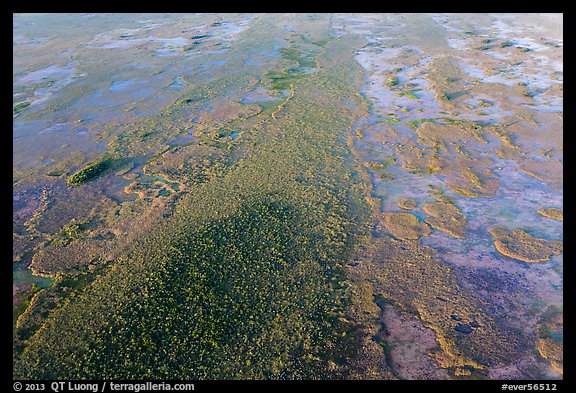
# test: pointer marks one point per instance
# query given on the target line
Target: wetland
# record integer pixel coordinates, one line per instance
(288, 196)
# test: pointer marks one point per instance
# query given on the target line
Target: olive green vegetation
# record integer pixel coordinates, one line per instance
(409, 94)
(416, 122)
(298, 56)
(23, 304)
(245, 278)
(392, 81)
(283, 79)
(464, 123)
(70, 232)
(484, 103)
(20, 107)
(89, 172)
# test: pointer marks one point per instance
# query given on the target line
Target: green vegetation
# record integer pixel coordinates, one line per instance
(89, 172)
(464, 123)
(430, 169)
(70, 232)
(281, 80)
(552, 44)
(299, 56)
(410, 94)
(392, 81)
(416, 122)
(244, 224)
(20, 307)
(20, 107)
(244, 278)
(468, 124)
(143, 135)
(239, 278)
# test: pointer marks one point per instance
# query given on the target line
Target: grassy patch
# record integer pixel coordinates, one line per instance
(69, 233)
(416, 122)
(392, 81)
(20, 107)
(505, 44)
(244, 279)
(299, 56)
(409, 94)
(89, 172)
